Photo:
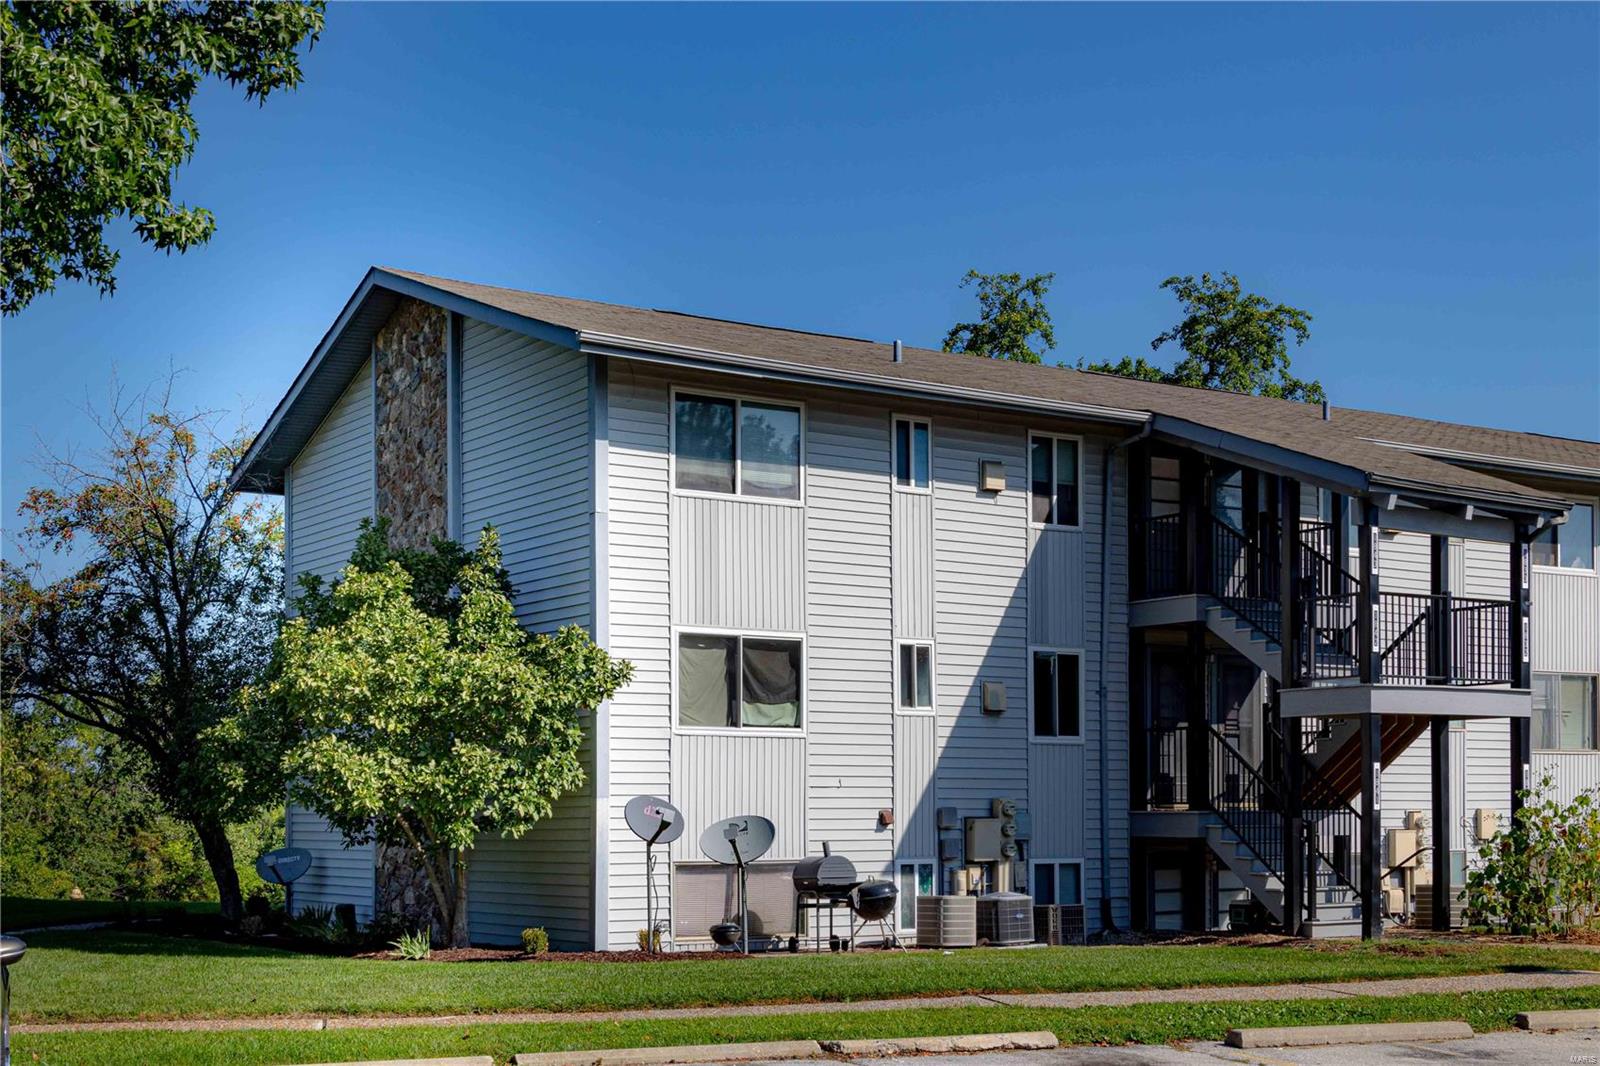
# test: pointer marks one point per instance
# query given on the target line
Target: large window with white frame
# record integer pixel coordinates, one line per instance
(1569, 545)
(737, 447)
(741, 682)
(913, 455)
(1054, 477)
(1056, 693)
(1057, 882)
(915, 670)
(1565, 712)
(916, 879)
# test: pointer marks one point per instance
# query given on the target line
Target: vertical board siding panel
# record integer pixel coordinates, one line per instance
(1571, 771)
(743, 564)
(913, 565)
(980, 560)
(916, 831)
(331, 484)
(1057, 789)
(720, 776)
(1566, 622)
(1056, 590)
(524, 468)
(338, 874)
(641, 723)
(329, 492)
(850, 635)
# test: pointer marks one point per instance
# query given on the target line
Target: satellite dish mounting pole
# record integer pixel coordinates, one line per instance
(744, 900)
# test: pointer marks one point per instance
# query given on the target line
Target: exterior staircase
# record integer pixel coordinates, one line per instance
(1338, 910)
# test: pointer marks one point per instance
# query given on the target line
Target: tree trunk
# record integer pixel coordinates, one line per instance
(458, 933)
(219, 855)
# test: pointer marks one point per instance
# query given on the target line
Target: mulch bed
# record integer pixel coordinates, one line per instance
(518, 955)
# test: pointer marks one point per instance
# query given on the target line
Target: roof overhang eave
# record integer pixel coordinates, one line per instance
(1497, 462)
(1273, 458)
(644, 350)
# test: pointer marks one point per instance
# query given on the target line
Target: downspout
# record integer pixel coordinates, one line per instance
(1107, 922)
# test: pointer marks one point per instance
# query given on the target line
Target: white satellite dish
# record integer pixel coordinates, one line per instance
(740, 840)
(653, 820)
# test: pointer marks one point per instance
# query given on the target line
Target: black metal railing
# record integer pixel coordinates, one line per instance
(1242, 577)
(1164, 549)
(1441, 639)
(1167, 765)
(1245, 802)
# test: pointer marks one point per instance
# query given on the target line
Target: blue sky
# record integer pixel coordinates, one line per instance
(1425, 180)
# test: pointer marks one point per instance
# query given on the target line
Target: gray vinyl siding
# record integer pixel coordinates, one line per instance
(641, 631)
(524, 455)
(916, 830)
(338, 874)
(330, 486)
(1404, 563)
(913, 564)
(850, 668)
(723, 776)
(328, 491)
(1566, 622)
(738, 564)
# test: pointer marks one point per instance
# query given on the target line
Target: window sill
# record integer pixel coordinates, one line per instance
(1055, 527)
(737, 497)
(1078, 740)
(1582, 571)
(789, 732)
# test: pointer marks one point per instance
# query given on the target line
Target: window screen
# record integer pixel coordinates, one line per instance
(916, 676)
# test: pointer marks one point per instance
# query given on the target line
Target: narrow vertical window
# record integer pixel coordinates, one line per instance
(1044, 884)
(1044, 694)
(912, 463)
(703, 428)
(1042, 478)
(1053, 480)
(1066, 511)
(916, 677)
(1057, 704)
(769, 451)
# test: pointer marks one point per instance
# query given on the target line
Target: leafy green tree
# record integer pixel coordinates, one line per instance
(414, 710)
(1540, 873)
(97, 118)
(1011, 313)
(1232, 340)
(167, 609)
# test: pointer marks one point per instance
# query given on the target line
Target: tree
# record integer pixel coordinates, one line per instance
(414, 710)
(1232, 340)
(168, 608)
(1011, 313)
(97, 117)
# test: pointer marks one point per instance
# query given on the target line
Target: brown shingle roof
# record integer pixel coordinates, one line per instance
(1297, 427)
(1505, 444)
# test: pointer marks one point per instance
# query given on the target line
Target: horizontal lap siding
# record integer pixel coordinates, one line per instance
(640, 620)
(525, 469)
(849, 627)
(329, 492)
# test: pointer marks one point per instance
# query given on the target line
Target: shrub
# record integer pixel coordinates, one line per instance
(535, 941)
(413, 947)
(650, 940)
(316, 923)
(1541, 873)
(252, 925)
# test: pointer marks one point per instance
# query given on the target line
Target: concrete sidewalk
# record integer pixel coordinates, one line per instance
(1412, 986)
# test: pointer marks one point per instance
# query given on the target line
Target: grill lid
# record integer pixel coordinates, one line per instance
(825, 873)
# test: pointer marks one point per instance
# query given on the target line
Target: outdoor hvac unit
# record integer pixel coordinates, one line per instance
(947, 921)
(1005, 918)
(1059, 924)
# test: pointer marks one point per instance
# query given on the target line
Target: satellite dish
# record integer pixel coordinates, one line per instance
(284, 865)
(653, 820)
(736, 841)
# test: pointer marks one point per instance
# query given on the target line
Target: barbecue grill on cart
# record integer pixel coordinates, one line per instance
(827, 883)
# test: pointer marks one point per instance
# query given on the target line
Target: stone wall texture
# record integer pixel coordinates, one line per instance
(412, 415)
(412, 422)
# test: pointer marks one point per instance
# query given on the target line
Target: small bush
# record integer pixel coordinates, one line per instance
(413, 947)
(535, 941)
(649, 940)
(252, 925)
(316, 923)
(1541, 873)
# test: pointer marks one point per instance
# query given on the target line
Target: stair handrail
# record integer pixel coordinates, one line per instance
(1260, 611)
(1268, 802)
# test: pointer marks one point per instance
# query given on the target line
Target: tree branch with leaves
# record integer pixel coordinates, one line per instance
(1012, 317)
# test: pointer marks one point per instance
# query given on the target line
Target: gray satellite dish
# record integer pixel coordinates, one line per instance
(736, 841)
(653, 820)
(284, 865)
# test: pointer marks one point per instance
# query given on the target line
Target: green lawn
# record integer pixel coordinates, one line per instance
(21, 912)
(1146, 1024)
(104, 974)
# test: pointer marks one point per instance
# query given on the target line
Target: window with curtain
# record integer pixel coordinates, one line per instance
(912, 459)
(1053, 480)
(1570, 544)
(738, 447)
(1564, 712)
(1057, 694)
(1057, 882)
(916, 677)
(749, 682)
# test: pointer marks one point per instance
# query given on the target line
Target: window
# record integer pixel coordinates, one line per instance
(736, 447)
(1569, 545)
(1563, 712)
(911, 455)
(1057, 694)
(738, 681)
(916, 677)
(1166, 487)
(1058, 882)
(1053, 480)
(916, 879)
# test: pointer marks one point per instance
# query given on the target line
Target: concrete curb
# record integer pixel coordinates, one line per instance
(1551, 1021)
(772, 1050)
(462, 1060)
(1323, 1035)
